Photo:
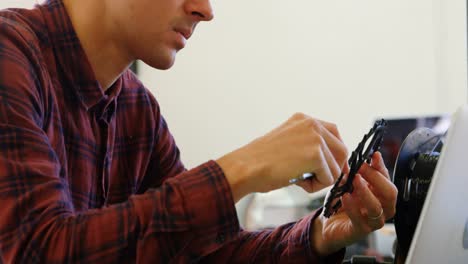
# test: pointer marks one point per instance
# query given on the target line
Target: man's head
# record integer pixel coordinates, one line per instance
(154, 30)
(150, 30)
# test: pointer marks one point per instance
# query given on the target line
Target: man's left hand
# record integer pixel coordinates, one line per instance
(366, 209)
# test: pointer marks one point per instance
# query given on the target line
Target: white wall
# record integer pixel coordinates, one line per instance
(17, 3)
(451, 47)
(344, 61)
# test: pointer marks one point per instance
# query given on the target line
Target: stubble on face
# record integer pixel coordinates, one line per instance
(147, 29)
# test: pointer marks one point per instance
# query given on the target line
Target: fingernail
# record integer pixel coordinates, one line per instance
(358, 177)
(363, 182)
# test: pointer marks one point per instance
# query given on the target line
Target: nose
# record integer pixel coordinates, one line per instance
(201, 10)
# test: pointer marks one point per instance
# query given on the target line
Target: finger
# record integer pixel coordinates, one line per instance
(351, 206)
(312, 185)
(323, 173)
(332, 128)
(335, 143)
(346, 168)
(331, 144)
(371, 209)
(332, 163)
(332, 133)
(344, 179)
(376, 173)
(332, 152)
(380, 184)
(378, 163)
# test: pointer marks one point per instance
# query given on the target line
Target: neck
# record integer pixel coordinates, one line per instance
(107, 58)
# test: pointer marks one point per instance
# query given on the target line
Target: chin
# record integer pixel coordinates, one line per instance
(161, 62)
(165, 64)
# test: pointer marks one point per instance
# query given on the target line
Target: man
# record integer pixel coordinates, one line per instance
(90, 173)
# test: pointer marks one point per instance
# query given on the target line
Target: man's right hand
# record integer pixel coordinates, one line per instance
(301, 144)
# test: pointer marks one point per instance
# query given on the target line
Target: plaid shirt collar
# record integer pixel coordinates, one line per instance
(71, 58)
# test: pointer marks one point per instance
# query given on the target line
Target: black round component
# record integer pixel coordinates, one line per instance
(419, 183)
(412, 175)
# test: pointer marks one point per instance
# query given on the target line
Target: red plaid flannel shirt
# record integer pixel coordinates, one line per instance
(91, 176)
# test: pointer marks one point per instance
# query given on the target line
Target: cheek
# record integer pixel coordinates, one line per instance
(155, 50)
(144, 34)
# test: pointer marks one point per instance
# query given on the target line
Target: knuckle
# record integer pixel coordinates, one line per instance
(387, 173)
(298, 116)
(380, 223)
(391, 213)
(390, 209)
(313, 152)
(342, 154)
(384, 172)
(324, 177)
(334, 129)
(329, 179)
(311, 123)
(393, 194)
(336, 174)
(316, 141)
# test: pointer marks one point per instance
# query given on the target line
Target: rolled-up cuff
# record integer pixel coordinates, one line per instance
(210, 206)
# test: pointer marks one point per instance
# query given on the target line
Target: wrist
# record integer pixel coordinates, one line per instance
(321, 242)
(239, 174)
(317, 236)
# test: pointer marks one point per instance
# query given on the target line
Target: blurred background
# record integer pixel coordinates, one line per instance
(347, 62)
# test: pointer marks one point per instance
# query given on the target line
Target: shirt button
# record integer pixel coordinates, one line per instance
(220, 238)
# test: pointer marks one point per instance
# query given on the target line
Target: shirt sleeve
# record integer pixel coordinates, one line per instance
(38, 222)
(289, 243)
(286, 244)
